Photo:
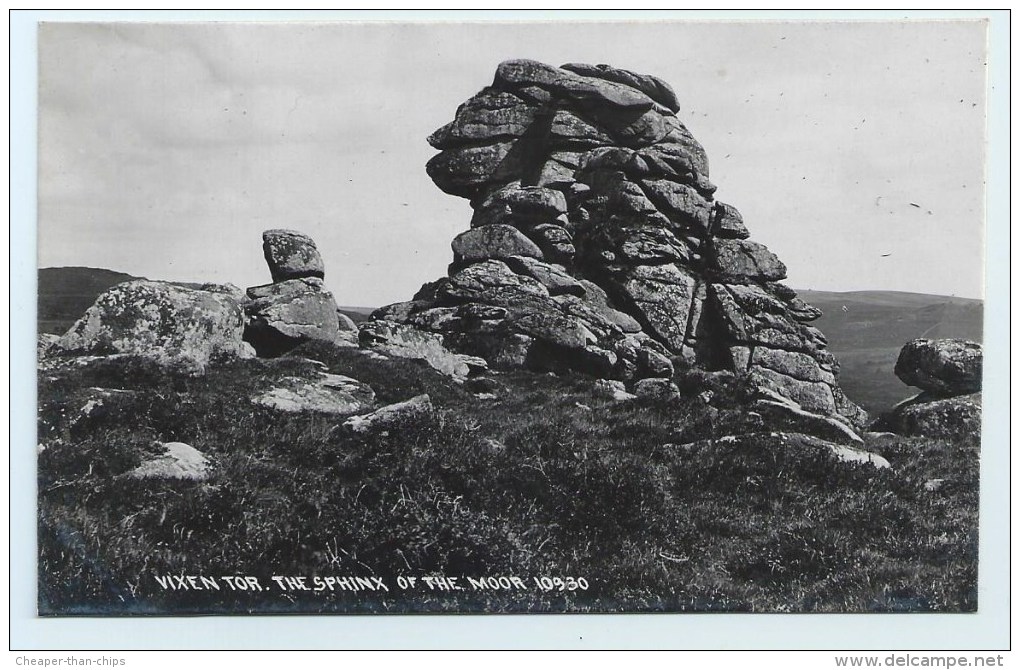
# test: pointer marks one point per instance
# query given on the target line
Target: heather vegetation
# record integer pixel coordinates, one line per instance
(547, 479)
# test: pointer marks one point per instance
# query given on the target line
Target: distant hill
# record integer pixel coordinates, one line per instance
(357, 314)
(867, 335)
(65, 293)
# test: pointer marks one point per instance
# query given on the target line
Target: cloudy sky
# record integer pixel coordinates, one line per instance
(854, 149)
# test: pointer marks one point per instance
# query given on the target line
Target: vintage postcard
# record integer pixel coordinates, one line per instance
(647, 316)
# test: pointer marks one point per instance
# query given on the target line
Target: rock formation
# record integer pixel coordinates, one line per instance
(597, 244)
(942, 367)
(291, 255)
(296, 307)
(948, 372)
(191, 324)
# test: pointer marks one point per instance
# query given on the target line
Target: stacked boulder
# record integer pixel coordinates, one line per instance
(296, 307)
(597, 245)
(948, 372)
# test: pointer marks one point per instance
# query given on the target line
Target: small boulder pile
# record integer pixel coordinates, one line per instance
(296, 307)
(193, 325)
(597, 245)
(948, 372)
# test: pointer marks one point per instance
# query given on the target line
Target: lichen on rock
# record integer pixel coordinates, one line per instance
(595, 222)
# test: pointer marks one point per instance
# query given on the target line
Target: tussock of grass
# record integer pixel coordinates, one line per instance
(547, 480)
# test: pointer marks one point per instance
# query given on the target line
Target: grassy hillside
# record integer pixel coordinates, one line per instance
(867, 336)
(593, 505)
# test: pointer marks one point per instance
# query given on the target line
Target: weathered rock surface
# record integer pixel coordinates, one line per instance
(929, 415)
(280, 316)
(944, 367)
(949, 372)
(291, 255)
(404, 341)
(169, 323)
(46, 344)
(178, 461)
(597, 245)
(785, 414)
(496, 240)
(781, 440)
(661, 389)
(612, 389)
(389, 416)
(336, 395)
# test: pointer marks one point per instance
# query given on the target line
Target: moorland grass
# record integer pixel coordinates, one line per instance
(548, 479)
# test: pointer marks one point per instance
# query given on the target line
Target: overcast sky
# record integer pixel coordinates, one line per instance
(854, 150)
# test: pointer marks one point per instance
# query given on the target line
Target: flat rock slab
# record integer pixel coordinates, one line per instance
(784, 440)
(404, 341)
(326, 394)
(389, 416)
(178, 461)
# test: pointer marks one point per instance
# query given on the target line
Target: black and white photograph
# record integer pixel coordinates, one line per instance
(670, 316)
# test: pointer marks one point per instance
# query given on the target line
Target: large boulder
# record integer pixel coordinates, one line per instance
(942, 367)
(283, 315)
(193, 324)
(291, 255)
(740, 260)
(493, 241)
(931, 415)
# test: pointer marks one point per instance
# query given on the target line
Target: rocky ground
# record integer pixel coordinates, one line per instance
(611, 398)
(660, 503)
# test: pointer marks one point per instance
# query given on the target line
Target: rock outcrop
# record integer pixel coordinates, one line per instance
(403, 341)
(336, 395)
(928, 415)
(296, 307)
(942, 367)
(597, 244)
(189, 324)
(949, 373)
